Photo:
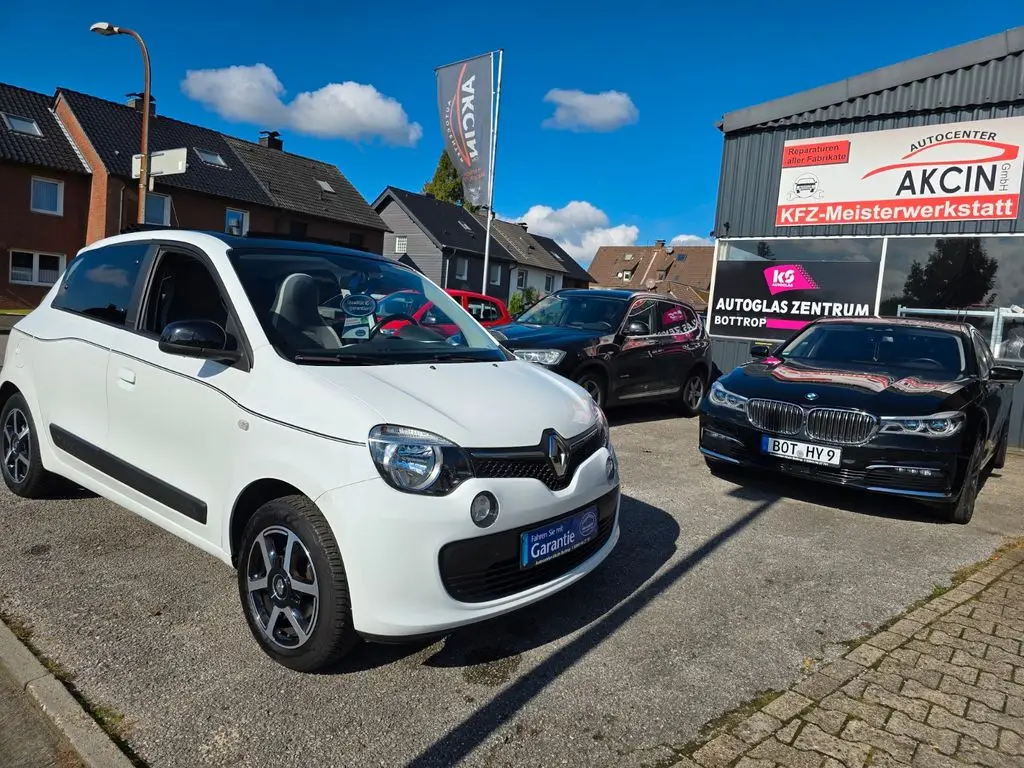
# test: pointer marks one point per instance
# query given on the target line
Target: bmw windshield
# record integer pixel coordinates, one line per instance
(592, 313)
(324, 307)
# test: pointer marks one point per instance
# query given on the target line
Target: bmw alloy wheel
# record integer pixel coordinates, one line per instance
(284, 594)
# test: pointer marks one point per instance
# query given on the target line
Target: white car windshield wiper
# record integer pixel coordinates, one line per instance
(342, 358)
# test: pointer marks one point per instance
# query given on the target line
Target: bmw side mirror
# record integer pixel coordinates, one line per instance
(1006, 373)
(636, 328)
(760, 350)
(202, 339)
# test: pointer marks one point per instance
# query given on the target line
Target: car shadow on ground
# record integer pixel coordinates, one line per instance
(492, 648)
(758, 485)
(623, 415)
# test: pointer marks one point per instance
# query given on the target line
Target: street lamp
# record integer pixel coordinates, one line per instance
(107, 29)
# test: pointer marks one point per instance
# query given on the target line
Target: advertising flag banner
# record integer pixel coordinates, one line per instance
(464, 95)
(773, 301)
(968, 171)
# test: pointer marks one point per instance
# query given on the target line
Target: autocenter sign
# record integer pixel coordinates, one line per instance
(953, 172)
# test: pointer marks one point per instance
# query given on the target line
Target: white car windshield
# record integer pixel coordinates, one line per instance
(321, 306)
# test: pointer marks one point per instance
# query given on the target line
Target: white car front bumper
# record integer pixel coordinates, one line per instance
(418, 565)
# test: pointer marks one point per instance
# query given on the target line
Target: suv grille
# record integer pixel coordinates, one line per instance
(838, 425)
(534, 462)
(487, 567)
(775, 416)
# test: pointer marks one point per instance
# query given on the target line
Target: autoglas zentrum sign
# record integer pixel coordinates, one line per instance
(953, 172)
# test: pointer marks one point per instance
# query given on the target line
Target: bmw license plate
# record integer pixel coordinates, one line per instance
(549, 541)
(806, 452)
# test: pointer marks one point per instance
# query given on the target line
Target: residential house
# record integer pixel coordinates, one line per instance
(682, 271)
(229, 185)
(575, 276)
(535, 267)
(442, 240)
(45, 185)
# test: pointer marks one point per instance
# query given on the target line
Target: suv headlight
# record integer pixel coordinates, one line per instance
(415, 461)
(944, 424)
(542, 356)
(719, 395)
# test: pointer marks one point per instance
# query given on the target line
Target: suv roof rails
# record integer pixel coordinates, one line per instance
(146, 228)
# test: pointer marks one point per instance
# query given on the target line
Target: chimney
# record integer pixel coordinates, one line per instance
(659, 243)
(523, 225)
(135, 101)
(271, 140)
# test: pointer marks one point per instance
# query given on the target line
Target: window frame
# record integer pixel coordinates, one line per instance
(167, 209)
(549, 283)
(245, 219)
(461, 268)
(492, 268)
(522, 279)
(404, 240)
(35, 267)
(60, 196)
(9, 116)
(213, 163)
(132, 307)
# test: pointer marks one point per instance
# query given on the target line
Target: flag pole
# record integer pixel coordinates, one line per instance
(490, 175)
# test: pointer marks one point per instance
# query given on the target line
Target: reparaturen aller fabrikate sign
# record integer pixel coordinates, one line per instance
(967, 171)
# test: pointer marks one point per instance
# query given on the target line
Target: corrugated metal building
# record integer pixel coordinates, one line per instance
(799, 159)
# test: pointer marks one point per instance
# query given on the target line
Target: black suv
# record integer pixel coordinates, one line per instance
(622, 346)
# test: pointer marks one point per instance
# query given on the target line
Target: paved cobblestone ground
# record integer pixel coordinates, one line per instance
(943, 687)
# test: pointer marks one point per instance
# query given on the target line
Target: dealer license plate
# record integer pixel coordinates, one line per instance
(805, 452)
(555, 539)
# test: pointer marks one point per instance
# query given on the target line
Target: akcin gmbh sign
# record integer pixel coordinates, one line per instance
(956, 172)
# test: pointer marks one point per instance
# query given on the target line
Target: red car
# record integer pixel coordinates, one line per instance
(487, 310)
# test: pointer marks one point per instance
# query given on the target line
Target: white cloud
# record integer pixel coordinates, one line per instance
(579, 227)
(349, 110)
(579, 111)
(690, 240)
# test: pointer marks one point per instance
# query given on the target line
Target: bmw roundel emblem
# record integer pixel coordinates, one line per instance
(811, 395)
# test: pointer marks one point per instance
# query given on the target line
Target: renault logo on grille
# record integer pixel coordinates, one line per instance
(558, 454)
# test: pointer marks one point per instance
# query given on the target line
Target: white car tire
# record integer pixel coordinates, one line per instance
(23, 468)
(292, 586)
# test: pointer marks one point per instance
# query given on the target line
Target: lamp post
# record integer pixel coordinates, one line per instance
(107, 29)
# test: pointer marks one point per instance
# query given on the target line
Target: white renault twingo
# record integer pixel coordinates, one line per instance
(265, 400)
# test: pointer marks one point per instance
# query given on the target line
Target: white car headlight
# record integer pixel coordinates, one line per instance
(944, 424)
(719, 395)
(602, 421)
(416, 461)
(542, 356)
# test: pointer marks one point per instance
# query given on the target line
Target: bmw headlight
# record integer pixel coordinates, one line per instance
(719, 395)
(541, 356)
(416, 461)
(944, 424)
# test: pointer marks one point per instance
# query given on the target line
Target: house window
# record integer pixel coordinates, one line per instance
(47, 196)
(627, 275)
(236, 222)
(20, 124)
(549, 283)
(211, 158)
(495, 277)
(461, 268)
(628, 257)
(158, 209)
(521, 279)
(401, 244)
(325, 186)
(31, 268)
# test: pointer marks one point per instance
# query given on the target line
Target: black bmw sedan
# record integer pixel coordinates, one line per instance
(622, 346)
(913, 408)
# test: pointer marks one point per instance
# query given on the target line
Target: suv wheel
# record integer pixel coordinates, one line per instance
(692, 393)
(22, 465)
(292, 585)
(594, 384)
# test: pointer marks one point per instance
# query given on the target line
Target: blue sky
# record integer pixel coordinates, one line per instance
(654, 177)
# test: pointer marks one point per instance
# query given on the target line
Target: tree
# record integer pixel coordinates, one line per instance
(958, 274)
(446, 184)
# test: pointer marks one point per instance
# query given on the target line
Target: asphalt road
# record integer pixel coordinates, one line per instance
(715, 592)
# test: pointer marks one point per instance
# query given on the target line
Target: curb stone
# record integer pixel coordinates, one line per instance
(93, 746)
(891, 700)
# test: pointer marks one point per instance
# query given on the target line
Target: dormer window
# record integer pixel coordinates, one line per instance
(325, 187)
(211, 158)
(18, 124)
(628, 257)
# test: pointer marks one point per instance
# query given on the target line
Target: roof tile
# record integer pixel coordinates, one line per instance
(51, 150)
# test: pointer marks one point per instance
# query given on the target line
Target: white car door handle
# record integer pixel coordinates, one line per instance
(128, 377)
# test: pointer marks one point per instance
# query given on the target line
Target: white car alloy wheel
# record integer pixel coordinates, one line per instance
(284, 595)
(23, 468)
(17, 445)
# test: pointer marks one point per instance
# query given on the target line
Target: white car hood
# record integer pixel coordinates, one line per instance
(475, 405)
